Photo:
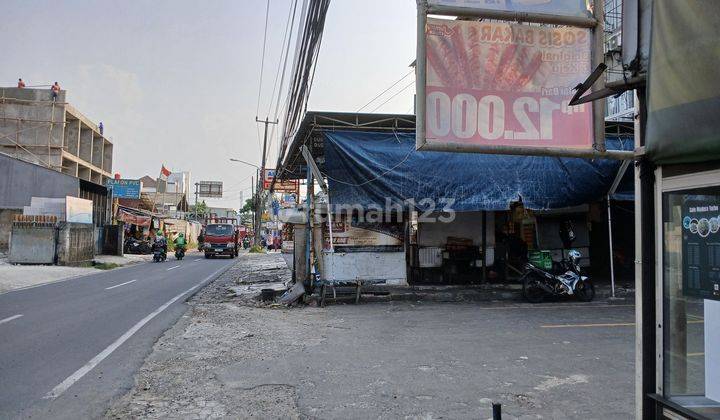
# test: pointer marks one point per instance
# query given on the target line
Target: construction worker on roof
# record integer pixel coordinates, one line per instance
(55, 90)
(21, 84)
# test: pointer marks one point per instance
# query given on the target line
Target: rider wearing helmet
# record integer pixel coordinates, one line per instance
(180, 242)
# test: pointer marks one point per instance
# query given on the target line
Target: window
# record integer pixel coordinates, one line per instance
(691, 298)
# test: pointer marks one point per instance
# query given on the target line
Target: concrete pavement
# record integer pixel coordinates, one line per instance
(387, 360)
(68, 348)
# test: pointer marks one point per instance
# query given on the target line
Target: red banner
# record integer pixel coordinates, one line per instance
(505, 84)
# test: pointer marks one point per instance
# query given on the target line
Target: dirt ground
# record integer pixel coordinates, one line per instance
(229, 359)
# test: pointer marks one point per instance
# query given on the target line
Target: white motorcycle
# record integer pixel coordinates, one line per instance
(539, 284)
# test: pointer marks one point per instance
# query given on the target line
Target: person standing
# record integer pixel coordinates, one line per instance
(101, 128)
(55, 88)
(21, 84)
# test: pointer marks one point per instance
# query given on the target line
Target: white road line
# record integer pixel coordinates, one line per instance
(172, 268)
(121, 284)
(70, 380)
(8, 319)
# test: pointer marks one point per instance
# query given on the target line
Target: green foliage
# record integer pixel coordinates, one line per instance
(248, 207)
(106, 266)
(201, 208)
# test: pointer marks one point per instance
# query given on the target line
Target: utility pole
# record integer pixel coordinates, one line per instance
(261, 178)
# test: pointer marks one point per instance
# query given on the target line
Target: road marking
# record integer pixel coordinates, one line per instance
(618, 324)
(696, 354)
(555, 307)
(121, 284)
(70, 380)
(172, 268)
(8, 319)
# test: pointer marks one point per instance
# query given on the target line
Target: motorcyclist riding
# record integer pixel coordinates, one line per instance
(160, 241)
(180, 242)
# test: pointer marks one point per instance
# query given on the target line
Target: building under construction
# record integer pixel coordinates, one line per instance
(50, 132)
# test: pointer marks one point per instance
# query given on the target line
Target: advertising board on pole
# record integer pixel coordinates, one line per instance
(579, 8)
(288, 186)
(506, 84)
(124, 188)
(210, 189)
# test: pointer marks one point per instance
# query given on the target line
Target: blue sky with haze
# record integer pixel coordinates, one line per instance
(177, 81)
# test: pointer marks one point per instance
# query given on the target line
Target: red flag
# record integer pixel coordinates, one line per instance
(164, 172)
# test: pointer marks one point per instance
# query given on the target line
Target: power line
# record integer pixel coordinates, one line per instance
(383, 92)
(396, 94)
(262, 59)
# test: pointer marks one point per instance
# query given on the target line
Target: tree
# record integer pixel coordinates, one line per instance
(201, 208)
(248, 207)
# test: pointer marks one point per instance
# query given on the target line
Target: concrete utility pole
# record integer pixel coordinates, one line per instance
(261, 178)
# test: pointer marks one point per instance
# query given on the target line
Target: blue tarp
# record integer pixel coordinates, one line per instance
(366, 168)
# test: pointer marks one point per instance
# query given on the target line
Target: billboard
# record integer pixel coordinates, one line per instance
(505, 84)
(124, 188)
(289, 186)
(577, 8)
(210, 189)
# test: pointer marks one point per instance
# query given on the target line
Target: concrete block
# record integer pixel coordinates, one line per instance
(32, 244)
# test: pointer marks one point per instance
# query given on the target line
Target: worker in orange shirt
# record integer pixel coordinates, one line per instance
(21, 84)
(55, 90)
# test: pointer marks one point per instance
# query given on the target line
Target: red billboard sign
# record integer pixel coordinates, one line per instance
(505, 84)
(288, 186)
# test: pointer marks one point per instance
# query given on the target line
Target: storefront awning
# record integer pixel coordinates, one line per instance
(364, 168)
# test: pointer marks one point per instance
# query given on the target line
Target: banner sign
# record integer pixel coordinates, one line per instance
(701, 246)
(288, 186)
(210, 189)
(131, 218)
(376, 236)
(124, 188)
(579, 8)
(504, 84)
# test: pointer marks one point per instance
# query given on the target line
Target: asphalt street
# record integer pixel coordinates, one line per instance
(68, 348)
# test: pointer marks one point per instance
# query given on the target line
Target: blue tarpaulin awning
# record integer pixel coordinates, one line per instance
(368, 168)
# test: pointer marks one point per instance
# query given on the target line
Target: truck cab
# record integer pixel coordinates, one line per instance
(221, 239)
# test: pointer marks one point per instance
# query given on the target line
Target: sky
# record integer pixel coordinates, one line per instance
(175, 82)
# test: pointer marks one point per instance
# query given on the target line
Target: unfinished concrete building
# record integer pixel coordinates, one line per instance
(52, 133)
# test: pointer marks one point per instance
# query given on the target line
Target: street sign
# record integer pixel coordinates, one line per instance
(210, 189)
(124, 188)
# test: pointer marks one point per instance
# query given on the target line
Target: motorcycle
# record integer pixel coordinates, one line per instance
(179, 253)
(159, 253)
(539, 284)
(137, 246)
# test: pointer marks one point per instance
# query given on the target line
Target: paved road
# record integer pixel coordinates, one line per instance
(68, 348)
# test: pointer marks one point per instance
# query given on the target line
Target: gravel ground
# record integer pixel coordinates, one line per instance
(228, 358)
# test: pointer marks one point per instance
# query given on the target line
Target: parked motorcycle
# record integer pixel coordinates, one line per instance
(137, 246)
(179, 253)
(159, 253)
(539, 284)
